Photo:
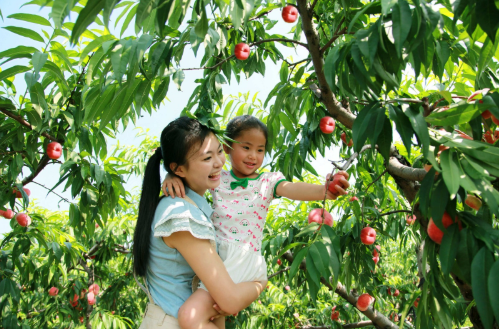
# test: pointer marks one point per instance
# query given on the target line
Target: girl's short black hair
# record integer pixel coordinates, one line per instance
(177, 141)
(242, 123)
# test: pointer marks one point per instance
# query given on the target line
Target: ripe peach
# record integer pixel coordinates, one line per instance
(278, 262)
(91, 298)
(435, 233)
(368, 235)
(8, 214)
(353, 199)
(316, 216)
(19, 194)
(94, 288)
(364, 301)
(23, 219)
(343, 137)
(53, 291)
(338, 179)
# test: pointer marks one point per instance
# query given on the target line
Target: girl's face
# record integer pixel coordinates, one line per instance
(204, 165)
(247, 155)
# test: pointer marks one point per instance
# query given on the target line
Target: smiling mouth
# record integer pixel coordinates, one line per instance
(249, 164)
(214, 175)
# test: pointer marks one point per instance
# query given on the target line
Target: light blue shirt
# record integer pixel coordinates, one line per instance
(169, 276)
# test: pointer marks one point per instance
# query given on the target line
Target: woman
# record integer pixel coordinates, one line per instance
(174, 239)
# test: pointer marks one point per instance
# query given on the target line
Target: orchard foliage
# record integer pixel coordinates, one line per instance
(376, 67)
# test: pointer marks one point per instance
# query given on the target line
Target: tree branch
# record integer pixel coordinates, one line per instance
(378, 319)
(279, 272)
(333, 106)
(43, 162)
(394, 212)
(26, 123)
(359, 324)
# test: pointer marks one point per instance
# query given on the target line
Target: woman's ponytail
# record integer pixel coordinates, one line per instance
(151, 186)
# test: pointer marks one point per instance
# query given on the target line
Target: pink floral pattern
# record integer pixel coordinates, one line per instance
(239, 215)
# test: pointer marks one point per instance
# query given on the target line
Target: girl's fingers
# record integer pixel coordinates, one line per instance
(164, 188)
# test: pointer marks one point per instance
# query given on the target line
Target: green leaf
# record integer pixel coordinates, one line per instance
(38, 98)
(487, 17)
(17, 52)
(6, 103)
(319, 259)
(161, 92)
(24, 32)
(201, 26)
(439, 199)
(144, 10)
(403, 126)
(401, 24)
(288, 124)
(86, 17)
(387, 5)
(363, 126)
(451, 172)
(296, 263)
(384, 140)
(12, 71)
(449, 248)
(308, 230)
(61, 9)
(493, 287)
(284, 72)
(330, 64)
(30, 18)
(457, 114)
(311, 268)
(179, 78)
(481, 266)
(38, 60)
(93, 45)
(419, 126)
(236, 14)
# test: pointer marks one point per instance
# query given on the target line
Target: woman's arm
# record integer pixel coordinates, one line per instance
(205, 262)
(310, 192)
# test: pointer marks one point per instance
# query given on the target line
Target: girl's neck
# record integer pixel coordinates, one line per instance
(242, 176)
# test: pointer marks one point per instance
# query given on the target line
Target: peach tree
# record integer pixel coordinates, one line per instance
(413, 84)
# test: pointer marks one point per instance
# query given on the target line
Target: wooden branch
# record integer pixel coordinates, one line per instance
(333, 106)
(43, 162)
(279, 272)
(26, 123)
(396, 168)
(313, 5)
(378, 319)
(373, 182)
(394, 212)
(250, 45)
(359, 324)
(332, 40)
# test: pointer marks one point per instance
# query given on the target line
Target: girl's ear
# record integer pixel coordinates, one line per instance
(226, 148)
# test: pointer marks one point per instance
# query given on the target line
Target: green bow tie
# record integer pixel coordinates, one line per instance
(240, 182)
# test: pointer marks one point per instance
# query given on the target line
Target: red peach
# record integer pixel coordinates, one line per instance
(364, 301)
(435, 233)
(368, 235)
(316, 216)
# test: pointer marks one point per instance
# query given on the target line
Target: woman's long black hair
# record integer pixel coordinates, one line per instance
(177, 139)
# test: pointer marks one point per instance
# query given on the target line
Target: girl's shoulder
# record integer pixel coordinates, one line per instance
(271, 176)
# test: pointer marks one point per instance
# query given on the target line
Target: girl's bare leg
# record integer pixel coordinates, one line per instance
(196, 312)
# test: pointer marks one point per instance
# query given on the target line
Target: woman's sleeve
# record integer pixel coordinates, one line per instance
(183, 217)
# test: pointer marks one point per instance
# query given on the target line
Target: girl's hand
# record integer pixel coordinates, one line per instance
(221, 312)
(173, 185)
(340, 190)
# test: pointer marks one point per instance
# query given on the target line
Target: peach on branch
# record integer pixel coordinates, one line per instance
(316, 216)
(290, 14)
(53, 291)
(473, 202)
(23, 219)
(8, 214)
(327, 125)
(435, 233)
(343, 137)
(54, 150)
(368, 235)
(242, 51)
(364, 301)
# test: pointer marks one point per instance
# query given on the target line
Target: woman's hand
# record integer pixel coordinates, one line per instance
(340, 190)
(173, 185)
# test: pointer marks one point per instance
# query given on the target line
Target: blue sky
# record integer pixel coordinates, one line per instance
(159, 119)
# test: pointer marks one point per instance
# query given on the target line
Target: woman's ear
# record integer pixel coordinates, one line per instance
(178, 170)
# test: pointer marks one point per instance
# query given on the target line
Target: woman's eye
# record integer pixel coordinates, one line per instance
(207, 158)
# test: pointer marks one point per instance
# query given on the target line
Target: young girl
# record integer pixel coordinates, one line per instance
(174, 238)
(241, 203)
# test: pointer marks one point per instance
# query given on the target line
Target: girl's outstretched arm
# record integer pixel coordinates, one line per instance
(206, 263)
(310, 192)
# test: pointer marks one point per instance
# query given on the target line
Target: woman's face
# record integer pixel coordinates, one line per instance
(204, 165)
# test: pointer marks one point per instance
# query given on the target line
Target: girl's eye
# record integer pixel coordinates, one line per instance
(246, 147)
(261, 150)
(220, 151)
